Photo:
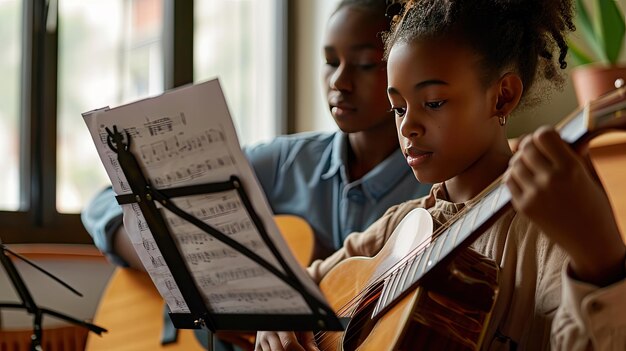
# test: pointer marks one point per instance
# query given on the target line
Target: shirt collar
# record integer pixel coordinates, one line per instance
(338, 155)
(377, 182)
(384, 177)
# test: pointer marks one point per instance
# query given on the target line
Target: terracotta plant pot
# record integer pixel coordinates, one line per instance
(591, 81)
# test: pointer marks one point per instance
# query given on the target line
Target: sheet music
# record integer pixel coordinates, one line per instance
(186, 137)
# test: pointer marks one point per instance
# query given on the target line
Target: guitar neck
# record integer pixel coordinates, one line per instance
(605, 114)
(460, 233)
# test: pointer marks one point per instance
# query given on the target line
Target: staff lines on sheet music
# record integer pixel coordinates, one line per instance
(170, 284)
(141, 221)
(179, 150)
(192, 171)
(171, 292)
(217, 210)
(149, 245)
(157, 261)
(195, 239)
(151, 127)
(164, 124)
(121, 179)
(195, 258)
(181, 304)
(154, 153)
(223, 277)
(134, 133)
(236, 227)
(229, 228)
(260, 295)
(260, 309)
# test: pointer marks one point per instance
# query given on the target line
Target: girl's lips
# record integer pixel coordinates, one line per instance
(415, 157)
(341, 110)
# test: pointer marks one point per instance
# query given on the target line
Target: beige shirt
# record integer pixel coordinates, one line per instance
(567, 314)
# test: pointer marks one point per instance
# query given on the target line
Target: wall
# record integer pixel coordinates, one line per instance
(310, 104)
(311, 111)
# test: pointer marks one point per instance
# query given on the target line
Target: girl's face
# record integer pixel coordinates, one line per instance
(443, 110)
(354, 75)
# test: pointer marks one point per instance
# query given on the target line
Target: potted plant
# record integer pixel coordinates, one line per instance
(603, 32)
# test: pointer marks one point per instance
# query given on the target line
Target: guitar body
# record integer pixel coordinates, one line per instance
(443, 313)
(132, 309)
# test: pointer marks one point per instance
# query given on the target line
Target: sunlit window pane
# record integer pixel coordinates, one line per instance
(235, 40)
(10, 66)
(110, 53)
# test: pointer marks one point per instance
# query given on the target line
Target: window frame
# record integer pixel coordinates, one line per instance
(37, 219)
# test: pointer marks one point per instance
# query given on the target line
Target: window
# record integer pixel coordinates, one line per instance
(236, 41)
(10, 41)
(109, 54)
(77, 55)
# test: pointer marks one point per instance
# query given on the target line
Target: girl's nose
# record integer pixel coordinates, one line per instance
(410, 125)
(341, 79)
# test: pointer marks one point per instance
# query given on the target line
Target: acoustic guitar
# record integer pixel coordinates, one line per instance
(131, 308)
(392, 300)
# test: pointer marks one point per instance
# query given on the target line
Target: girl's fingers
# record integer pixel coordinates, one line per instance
(307, 340)
(268, 341)
(553, 148)
(514, 188)
(289, 342)
(533, 157)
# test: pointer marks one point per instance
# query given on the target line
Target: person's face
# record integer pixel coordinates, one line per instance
(354, 75)
(443, 110)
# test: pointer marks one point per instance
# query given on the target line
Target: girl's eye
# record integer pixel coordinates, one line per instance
(434, 105)
(368, 66)
(399, 111)
(332, 63)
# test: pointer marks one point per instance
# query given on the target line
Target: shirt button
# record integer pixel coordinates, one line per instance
(356, 197)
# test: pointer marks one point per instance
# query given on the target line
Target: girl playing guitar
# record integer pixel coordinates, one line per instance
(457, 70)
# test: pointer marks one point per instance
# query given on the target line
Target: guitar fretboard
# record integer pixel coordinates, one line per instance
(466, 225)
(407, 275)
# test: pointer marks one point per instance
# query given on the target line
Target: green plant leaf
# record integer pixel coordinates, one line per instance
(583, 23)
(609, 28)
(577, 55)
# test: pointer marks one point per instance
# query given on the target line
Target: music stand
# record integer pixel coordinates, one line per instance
(321, 318)
(28, 303)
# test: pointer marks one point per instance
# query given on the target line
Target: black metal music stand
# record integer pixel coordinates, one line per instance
(28, 303)
(146, 197)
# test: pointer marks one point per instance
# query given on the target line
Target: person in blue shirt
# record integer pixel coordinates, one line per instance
(339, 182)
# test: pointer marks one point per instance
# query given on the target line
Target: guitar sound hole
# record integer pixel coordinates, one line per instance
(362, 323)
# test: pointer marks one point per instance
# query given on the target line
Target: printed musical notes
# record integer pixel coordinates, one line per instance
(164, 124)
(181, 146)
(191, 171)
(261, 299)
(186, 137)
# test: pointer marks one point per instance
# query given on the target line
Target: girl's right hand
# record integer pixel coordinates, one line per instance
(285, 341)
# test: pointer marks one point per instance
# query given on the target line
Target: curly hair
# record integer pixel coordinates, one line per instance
(376, 7)
(508, 34)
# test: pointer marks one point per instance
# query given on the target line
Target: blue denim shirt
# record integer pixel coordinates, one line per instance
(305, 175)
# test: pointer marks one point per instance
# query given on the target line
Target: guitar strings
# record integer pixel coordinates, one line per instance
(369, 290)
(418, 250)
(619, 94)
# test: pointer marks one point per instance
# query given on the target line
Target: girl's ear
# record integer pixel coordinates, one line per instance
(509, 92)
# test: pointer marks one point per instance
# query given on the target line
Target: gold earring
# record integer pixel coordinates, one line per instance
(502, 119)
